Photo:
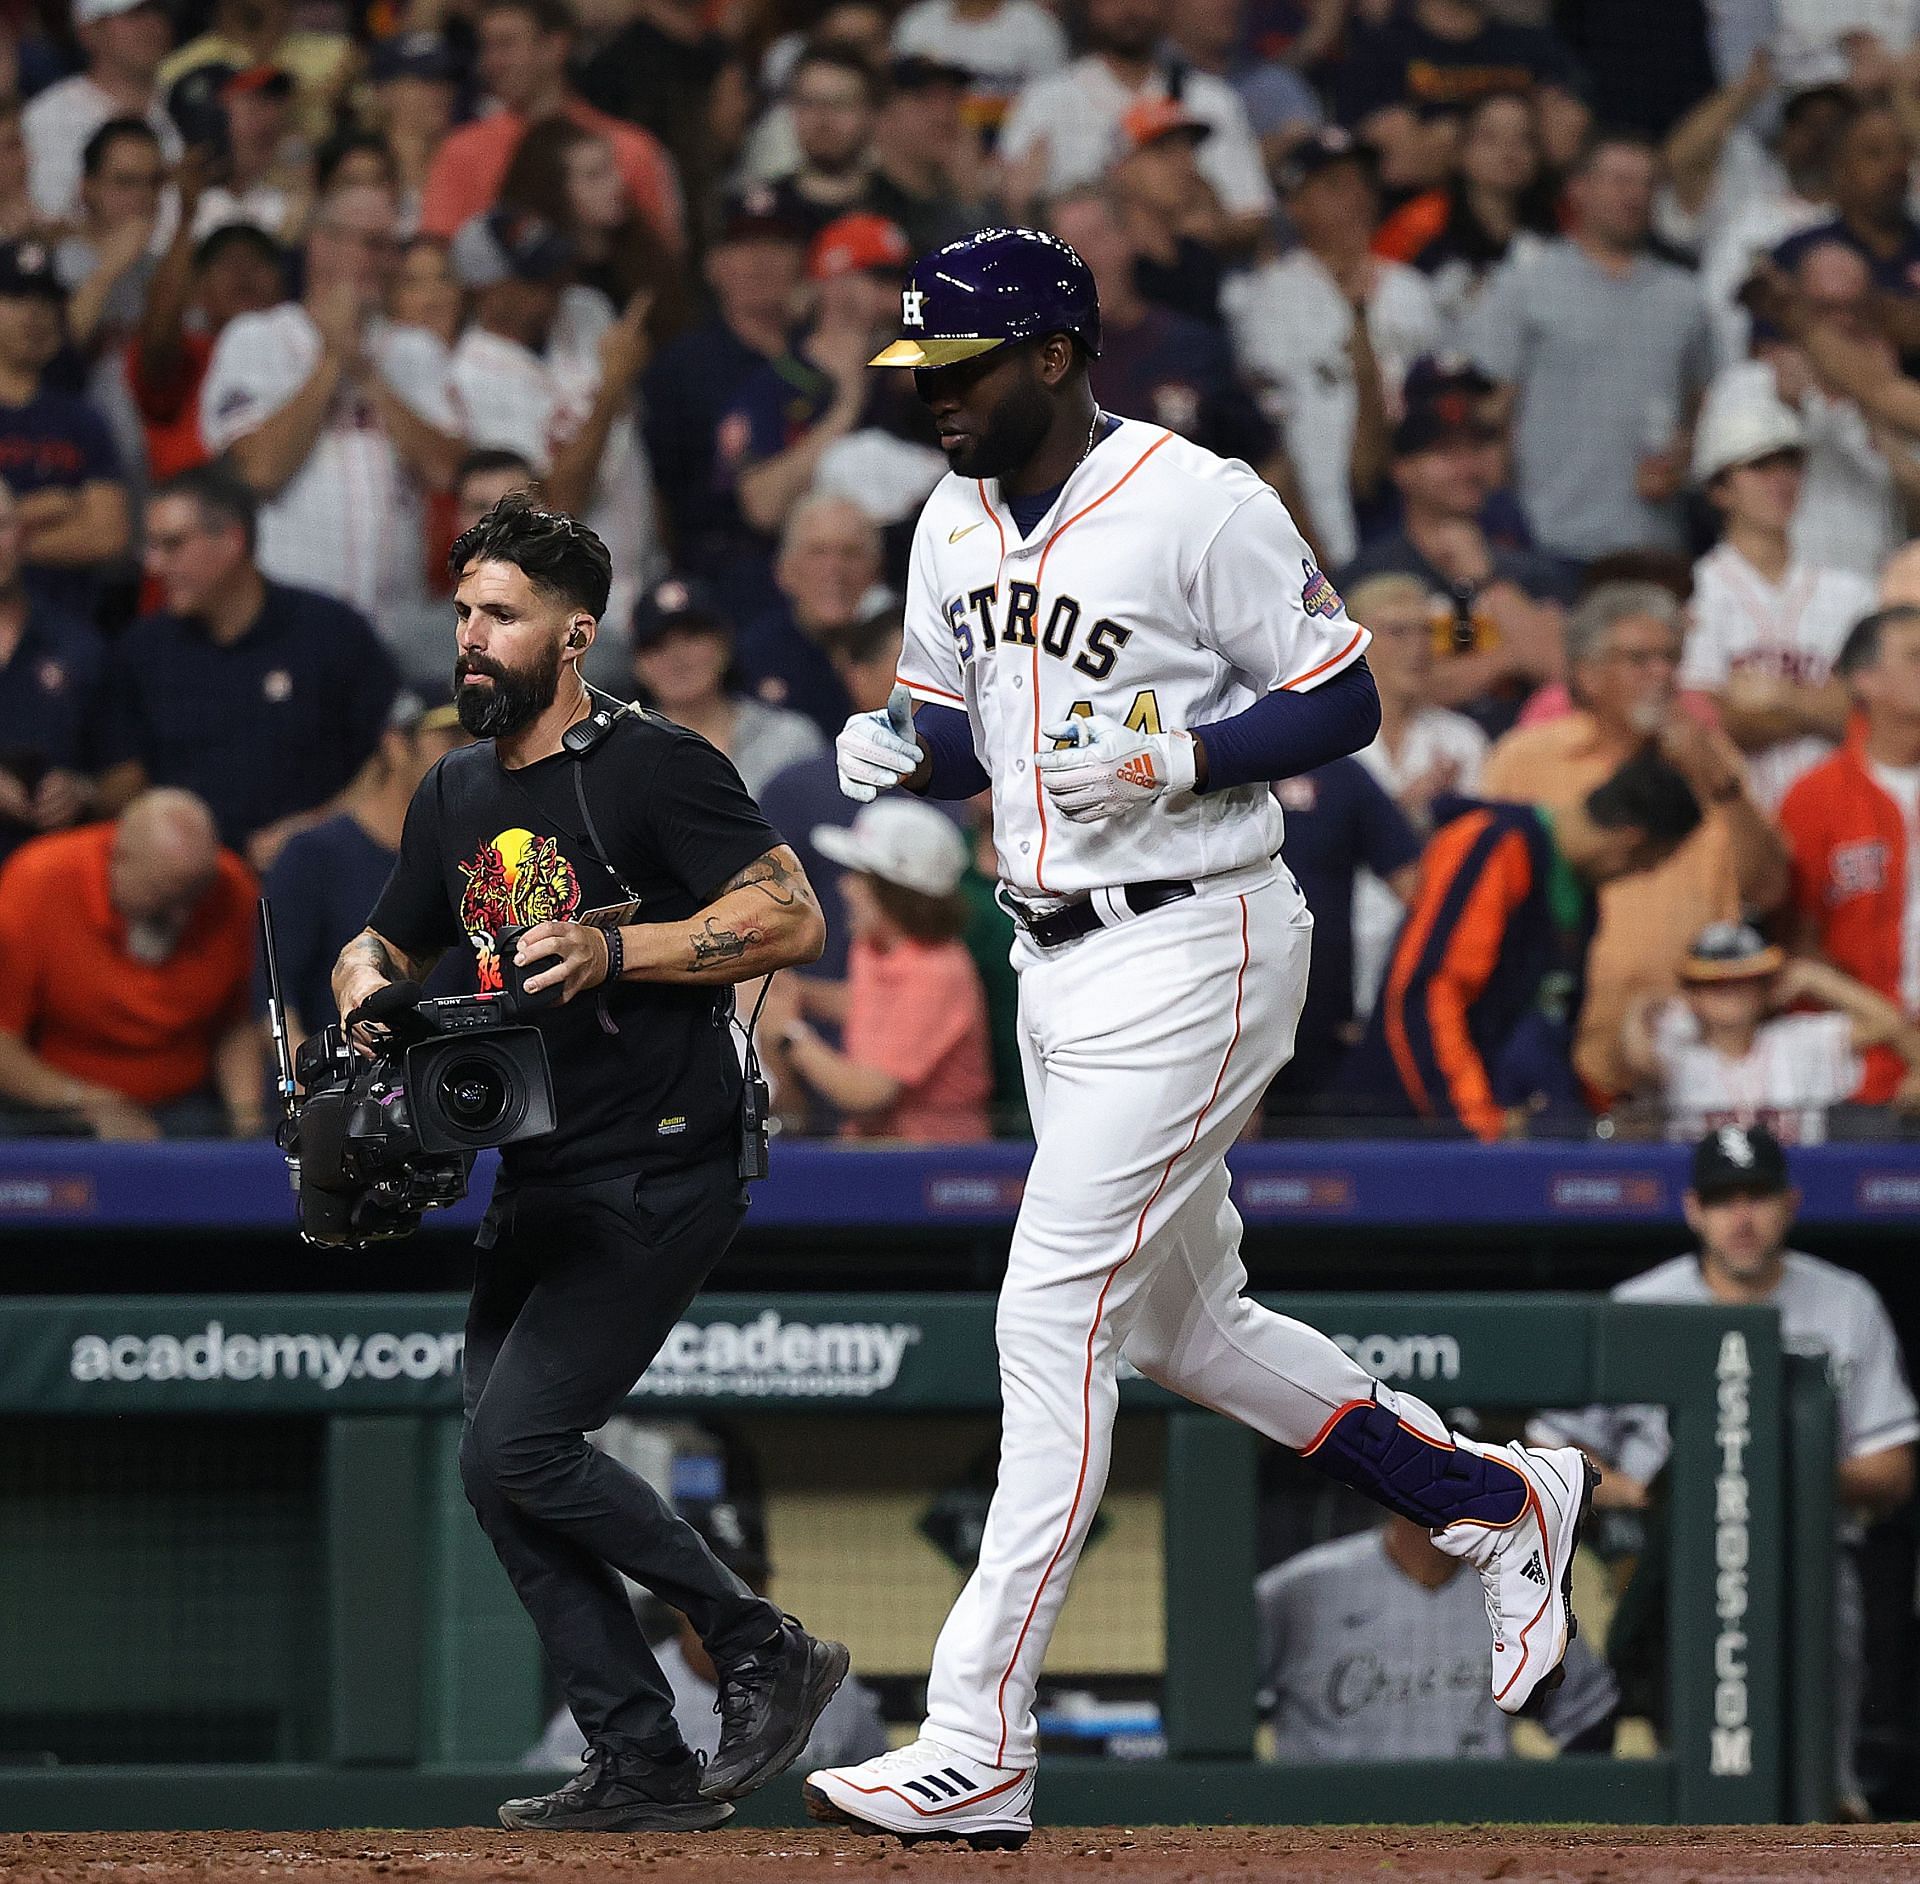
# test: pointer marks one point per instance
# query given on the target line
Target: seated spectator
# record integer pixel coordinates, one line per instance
(753, 267)
(1732, 1050)
(1339, 824)
(525, 46)
(1851, 825)
(1604, 348)
(55, 451)
(339, 420)
(928, 168)
(816, 420)
(1766, 626)
(833, 95)
(1623, 655)
(913, 1060)
(1169, 369)
(1741, 1206)
(545, 370)
(1868, 181)
(106, 264)
(124, 42)
(416, 80)
(1444, 53)
(1475, 1024)
(51, 671)
(1370, 1649)
(1168, 209)
(330, 874)
(683, 662)
(567, 177)
(1003, 43)
(1497, 204)
(249, 33)
(828, 574)
(1063, 128)
(669, 69)
(1501, 628)
(129, 1016)
(1213, 36)
(261, 698)
(1333, 376)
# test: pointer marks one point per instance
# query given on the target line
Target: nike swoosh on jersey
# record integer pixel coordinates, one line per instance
(954, 536)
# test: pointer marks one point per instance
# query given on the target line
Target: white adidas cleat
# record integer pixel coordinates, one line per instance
(1527, 1569)
(925, 1791)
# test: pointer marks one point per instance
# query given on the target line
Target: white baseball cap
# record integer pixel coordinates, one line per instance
(900, 841)
(91, 12)
(1747, 422)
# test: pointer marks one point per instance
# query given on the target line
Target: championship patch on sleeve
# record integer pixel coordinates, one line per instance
(1318, 596)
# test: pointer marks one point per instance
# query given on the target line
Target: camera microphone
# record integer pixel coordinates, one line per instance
(397, 997)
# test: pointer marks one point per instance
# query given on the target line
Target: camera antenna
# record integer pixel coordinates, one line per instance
(277, 1026)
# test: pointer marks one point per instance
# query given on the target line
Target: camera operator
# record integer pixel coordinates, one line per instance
(650, 885)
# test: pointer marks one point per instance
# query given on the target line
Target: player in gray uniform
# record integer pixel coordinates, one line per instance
(1371, 1647)
(1741, 1206)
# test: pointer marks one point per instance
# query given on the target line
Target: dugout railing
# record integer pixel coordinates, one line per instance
(396, 1681)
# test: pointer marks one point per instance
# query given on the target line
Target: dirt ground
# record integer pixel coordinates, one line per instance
(1517, 1854)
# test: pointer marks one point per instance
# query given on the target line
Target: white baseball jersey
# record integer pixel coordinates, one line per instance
(510, 397)
(1791, 631)
(349, 521)
(1167, 588)
(1798, 1066)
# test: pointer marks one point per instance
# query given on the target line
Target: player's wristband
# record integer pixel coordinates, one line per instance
(616, 954)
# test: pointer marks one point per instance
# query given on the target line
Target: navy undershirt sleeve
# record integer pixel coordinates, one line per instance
(946, 737)
(1284, 734)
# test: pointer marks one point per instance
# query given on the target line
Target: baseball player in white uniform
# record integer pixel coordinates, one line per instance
(1126, 637)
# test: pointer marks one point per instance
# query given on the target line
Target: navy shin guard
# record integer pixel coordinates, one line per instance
(1430, 1480)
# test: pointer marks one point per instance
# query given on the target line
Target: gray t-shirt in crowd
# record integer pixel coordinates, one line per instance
(1605, 368)
(1824, 1310)
(1359, 1662)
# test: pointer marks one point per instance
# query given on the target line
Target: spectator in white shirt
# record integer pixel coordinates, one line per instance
(1064, 129)
(1328, 332)
(1766, 626)
(1003, 43)
(546, 370)
(125, 41)
(339, 419)
(1736, 1045)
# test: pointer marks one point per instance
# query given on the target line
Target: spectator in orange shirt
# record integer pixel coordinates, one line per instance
(913, 1061)
(1853, 829)
(129, 953)
(524, 49)
(1623, 656)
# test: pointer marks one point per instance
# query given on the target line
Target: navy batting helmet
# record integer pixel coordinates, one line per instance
(986, 289)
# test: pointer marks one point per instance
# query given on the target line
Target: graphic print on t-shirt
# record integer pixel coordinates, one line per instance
(518, 878)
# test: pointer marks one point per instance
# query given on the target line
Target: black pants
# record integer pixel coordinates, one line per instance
(577, 1287)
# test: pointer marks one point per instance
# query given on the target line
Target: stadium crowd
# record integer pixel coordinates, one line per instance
(1583, 341)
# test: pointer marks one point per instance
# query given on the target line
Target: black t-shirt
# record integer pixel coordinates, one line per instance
(485, 847)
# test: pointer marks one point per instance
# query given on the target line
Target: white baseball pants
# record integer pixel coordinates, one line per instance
(1146, 1048)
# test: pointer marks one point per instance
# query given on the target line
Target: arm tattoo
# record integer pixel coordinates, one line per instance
(773, 878)
(373, 951)
(714, 947)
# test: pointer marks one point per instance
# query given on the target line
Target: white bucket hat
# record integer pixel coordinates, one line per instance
(900, 841)
(1747, 422)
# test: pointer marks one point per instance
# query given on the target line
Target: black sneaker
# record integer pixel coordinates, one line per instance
(768, 1703)
(624, 1792)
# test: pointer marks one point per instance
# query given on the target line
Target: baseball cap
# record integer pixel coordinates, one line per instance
(917, 72)
(1151, 119)
(91, 12)
(1328, 146)
(413, 55)
(270, 80)
(900, 841)
(26, 267)
(857, 243)
(503, 245)
(1730, 951)
(677, 602)
(1745, 424)
(1739, 1161)
(757, 213)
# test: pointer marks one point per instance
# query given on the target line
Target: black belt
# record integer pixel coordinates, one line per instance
(1081, 917)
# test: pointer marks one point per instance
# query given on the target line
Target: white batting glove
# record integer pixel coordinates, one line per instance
(1109, 769)
(875, 751)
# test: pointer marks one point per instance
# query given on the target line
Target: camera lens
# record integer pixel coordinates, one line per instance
(474, 1093)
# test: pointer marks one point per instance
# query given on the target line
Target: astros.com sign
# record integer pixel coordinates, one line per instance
(774, 1358)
